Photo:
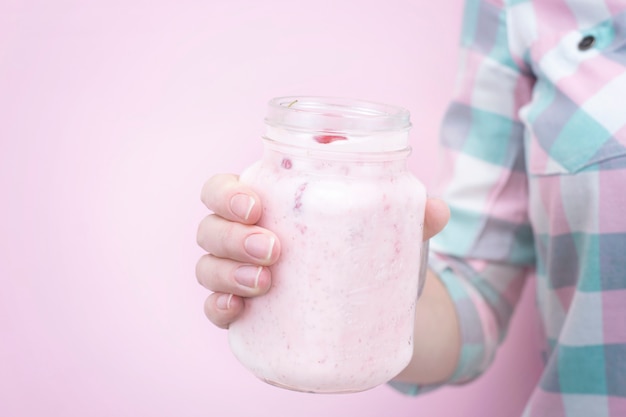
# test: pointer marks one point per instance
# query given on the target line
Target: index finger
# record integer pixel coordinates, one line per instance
(228, 198)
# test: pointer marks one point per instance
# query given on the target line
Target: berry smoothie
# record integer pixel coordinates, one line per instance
(340, 313)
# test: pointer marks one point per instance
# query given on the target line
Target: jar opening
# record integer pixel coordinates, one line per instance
(336, 115)
(337, 124)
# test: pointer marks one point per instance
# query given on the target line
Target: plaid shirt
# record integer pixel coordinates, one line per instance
(534, 151)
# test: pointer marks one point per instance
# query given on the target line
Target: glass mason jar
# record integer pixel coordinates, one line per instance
(336, 191)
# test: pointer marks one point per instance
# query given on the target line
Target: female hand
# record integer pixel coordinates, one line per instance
(239, 251)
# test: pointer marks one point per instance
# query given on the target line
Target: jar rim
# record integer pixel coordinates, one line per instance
(335, 114)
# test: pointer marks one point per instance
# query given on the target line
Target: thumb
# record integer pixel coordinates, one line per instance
(436, 217)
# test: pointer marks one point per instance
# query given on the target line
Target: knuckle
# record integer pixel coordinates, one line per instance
(210, 311)
(208, 273)
(217, 274)
(208, 188)
(202, 231)
(213, 189)
(225, 235)
(212, 231)
(221, 319)
(202, 270)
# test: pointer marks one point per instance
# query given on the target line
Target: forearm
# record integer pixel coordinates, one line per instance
(437, 340)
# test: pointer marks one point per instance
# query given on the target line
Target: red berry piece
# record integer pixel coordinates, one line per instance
(297, 207)
(329, 138)
(286, 163)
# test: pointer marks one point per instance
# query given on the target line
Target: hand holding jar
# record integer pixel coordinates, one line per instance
(327, 229)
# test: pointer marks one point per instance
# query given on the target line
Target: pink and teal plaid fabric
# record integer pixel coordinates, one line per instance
(534, 154)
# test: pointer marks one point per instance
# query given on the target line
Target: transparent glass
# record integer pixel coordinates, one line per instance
(336, 190)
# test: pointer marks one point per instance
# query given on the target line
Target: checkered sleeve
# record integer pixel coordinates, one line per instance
(484, 253)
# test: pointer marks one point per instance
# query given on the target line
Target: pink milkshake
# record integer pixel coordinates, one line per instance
(337, 193)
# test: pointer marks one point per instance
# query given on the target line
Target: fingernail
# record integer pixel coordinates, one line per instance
(223, 301)
(241, 205)
(248, 275)
(260, 246)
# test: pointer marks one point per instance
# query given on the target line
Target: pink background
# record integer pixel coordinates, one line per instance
(112, 115)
